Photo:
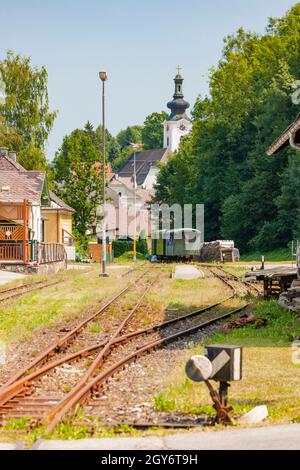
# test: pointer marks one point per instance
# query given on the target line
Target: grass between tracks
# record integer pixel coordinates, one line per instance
(79, 290)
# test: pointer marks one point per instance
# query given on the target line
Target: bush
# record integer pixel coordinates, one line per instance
(141, 245)
(121, 247)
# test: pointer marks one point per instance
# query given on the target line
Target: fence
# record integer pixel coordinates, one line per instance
(47, 252)
(11, 251)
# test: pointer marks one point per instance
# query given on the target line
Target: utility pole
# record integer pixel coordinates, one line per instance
(103, 77)
(135, 147)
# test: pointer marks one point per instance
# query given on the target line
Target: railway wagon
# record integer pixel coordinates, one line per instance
(177, 244)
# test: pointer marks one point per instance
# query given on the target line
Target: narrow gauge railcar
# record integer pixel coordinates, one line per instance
(177, 245)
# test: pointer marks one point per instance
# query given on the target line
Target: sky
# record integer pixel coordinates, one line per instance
(138, 42)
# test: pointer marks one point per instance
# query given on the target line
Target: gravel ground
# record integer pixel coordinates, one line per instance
(129, 395)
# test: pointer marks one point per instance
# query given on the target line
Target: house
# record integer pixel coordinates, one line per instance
(35, 225)
(127, 212)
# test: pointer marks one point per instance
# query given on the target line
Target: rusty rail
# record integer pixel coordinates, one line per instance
(56, 347)
(248, 284)
(19, 294)
(64, 407)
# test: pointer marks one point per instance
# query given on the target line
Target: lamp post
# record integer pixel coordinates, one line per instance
(103, 77)
(136, 148)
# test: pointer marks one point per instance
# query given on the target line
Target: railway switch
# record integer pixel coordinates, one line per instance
(223, 364)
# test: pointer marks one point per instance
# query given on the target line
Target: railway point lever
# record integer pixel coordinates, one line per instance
(221, 363)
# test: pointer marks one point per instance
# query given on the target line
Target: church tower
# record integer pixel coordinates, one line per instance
(178, 124)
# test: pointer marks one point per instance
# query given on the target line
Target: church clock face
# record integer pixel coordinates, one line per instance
(182, 127)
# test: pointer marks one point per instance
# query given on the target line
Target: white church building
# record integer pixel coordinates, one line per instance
(124, 202)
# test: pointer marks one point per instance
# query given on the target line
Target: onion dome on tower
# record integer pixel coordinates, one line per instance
(178, 124)
(178, 105)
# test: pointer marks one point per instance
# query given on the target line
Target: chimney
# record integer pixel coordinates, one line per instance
(3, 152)
(12, 155)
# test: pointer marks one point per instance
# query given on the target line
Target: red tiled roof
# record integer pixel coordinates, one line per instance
(7, 164)
(15, 186)
(24, 184)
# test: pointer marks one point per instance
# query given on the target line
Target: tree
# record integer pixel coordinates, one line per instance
(153, 131)
(114, 150)
(78, 177)
(26, 106)
(9, 136)
(132, 134)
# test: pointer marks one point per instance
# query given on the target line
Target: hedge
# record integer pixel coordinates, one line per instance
(121, 247)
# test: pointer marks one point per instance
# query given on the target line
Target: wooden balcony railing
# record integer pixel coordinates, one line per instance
(12, 232)
(11, 251)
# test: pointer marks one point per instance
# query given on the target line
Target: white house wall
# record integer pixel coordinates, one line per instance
(35, 221)
(151, 178)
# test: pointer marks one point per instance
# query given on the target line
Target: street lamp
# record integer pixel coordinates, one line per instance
(136, 148)
(103, 77)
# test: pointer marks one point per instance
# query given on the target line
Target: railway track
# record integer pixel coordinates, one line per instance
(226, 275)
(23, 289)
(17, 399)
(21, 382)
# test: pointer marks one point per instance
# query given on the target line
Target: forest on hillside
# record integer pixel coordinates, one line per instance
(248, 196)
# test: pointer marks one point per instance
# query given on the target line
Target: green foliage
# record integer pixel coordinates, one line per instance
(26, 109)
(281, 329)
(78, 176)
(9, 136)
(81, 241)
(283, 254)
(132, 134)
(141, 245)
(121, 247)
(119, 161)
(248, 196)
(152, 131)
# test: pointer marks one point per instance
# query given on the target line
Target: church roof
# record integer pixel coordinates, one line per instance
(144, 161)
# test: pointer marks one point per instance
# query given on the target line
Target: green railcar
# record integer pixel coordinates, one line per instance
(177, 244)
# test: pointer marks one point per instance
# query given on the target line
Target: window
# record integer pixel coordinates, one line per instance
(168, 141)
